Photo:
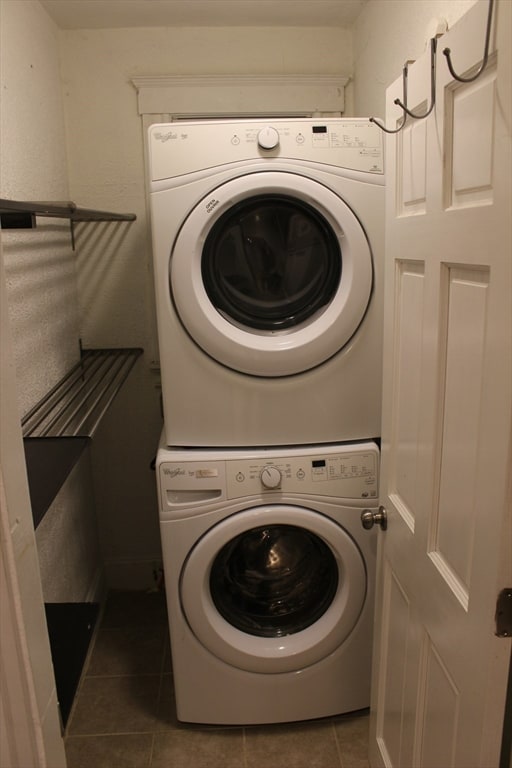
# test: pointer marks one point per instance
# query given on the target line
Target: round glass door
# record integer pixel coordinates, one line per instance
(273, 588)
(274, 580)
(271, 262)
(271, 274)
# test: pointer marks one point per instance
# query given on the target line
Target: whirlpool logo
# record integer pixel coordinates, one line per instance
(175, 472)
(163, 137)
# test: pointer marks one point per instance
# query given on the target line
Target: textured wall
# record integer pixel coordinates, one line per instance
(40, 269)
(32, 165)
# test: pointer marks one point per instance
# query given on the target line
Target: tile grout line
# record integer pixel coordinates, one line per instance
(99, 734)
(123, 674)
(152, 750)
(338, 748)
(244, 742)
(158, 699)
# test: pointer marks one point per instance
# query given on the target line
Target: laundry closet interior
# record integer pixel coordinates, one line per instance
(87, 472)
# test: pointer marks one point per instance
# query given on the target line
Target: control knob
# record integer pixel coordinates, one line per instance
(268, 138)
(271, 476)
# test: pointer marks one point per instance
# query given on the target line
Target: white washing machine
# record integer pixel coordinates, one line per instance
(269, 580)
(268, 254)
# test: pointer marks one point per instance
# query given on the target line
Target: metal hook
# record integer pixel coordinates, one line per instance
(447, 52)
(433, 47)
(403, 104)
(404, 90)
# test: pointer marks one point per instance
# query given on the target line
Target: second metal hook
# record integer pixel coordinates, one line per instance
(447, 52)
(403, 104)
(433, 48)
(404, 116)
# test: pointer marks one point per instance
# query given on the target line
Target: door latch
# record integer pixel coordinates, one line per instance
(370, 518)
(504, 613)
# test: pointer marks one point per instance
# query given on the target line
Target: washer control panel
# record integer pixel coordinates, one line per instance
(191, 478)
(344, 475)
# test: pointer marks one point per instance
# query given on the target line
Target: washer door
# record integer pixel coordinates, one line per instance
(271, 274)
(273, 589)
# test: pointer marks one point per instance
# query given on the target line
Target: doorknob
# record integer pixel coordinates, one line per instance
(369, 518)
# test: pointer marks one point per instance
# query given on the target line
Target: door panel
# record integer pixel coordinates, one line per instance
(395, 676)
(439, 671)
(412, 170)
(441, 700)
(407, 388)
(469, 141)
(461, 367)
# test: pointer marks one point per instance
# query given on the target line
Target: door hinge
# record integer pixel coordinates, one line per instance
(504, 613)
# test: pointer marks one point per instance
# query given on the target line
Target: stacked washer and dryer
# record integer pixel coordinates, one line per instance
(268, 256)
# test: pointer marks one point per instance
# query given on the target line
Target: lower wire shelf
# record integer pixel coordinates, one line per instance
(70, 629)
(59, 427)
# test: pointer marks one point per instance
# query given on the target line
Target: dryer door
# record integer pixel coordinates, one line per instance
(274, 588)
(271, 274)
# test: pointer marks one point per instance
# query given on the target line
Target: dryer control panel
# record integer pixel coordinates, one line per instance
(202, 477)
(181, 148)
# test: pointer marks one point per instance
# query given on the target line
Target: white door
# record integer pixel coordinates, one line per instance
(439, 679)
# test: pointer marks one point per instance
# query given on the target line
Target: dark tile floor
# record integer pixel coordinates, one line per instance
(124, 715)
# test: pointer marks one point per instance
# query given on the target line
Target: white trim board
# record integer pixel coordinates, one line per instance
(215, 96)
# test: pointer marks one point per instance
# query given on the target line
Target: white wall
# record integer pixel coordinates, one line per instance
(40, 268)
(388, 33)
(39, 342)
(106, 169)
(41, 279)
(38, 272)
(28, 695)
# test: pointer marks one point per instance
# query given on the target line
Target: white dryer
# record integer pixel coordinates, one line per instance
(268, 249)
(269, 580)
